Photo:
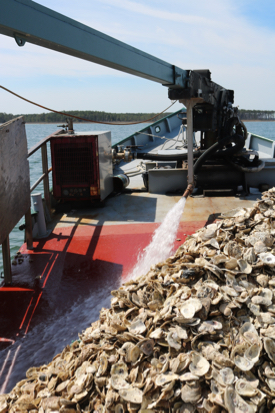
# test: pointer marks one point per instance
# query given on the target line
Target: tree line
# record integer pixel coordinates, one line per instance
(120, 117)
(257, 114)
(85, 114)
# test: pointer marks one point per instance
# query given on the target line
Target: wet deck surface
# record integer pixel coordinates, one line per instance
(60, 286)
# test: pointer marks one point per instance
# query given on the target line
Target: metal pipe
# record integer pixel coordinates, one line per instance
(38, 207)
(190, 159)
(188, 191)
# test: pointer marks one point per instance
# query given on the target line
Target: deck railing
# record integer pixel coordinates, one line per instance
(45, 168)
(28, 218)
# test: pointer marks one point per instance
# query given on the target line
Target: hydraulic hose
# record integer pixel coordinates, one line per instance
(248, 169)
(178, 157)
(214, 149)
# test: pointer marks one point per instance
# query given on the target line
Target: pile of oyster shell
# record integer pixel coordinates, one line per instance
(195, 334)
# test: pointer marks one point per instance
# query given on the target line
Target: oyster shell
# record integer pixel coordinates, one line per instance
(199, 366)
(190, 307)
(267, 258)
(174, 340)
(269, 346)
(264, 298)
(235, 403)
(132, 395)
(243, 388)
(119, 369)
(244, 266)
(191, 392)
(227, 375)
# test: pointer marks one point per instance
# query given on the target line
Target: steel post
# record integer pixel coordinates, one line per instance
(46, 177)
(28, 230)
(7, 261)
(189, 106)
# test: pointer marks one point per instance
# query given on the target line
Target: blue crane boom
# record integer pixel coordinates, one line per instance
(28, 21)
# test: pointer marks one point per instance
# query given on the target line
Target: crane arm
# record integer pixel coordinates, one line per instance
(28, 21)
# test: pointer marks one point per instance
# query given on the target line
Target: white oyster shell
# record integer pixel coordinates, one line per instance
(264, 298)
(244, 388)
(267, 258)
(137, 327)
(227, 375)
(244, 266)
(191, 392)
(235, 403)
(190, 307)
(199, 366)
(210, 326)
(174, 340)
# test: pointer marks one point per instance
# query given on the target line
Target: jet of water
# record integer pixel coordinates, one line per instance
(162, 242)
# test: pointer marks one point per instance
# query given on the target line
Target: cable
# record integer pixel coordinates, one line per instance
(86, 120)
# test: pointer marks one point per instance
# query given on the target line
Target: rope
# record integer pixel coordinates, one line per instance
(86, 120)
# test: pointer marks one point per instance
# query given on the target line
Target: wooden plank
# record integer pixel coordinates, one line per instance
(14, 175)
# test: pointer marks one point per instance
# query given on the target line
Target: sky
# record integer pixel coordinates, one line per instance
(234, 39)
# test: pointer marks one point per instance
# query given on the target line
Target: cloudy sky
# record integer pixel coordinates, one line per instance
(235, 39)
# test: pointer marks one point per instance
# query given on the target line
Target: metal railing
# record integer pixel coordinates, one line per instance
(45, 168)
(28, 218)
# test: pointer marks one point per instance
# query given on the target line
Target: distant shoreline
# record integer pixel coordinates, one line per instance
(129, 123)
(258, 120)
(78, 123)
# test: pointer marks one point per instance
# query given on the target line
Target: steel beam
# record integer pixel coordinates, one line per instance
(189, 104)
(28, 21)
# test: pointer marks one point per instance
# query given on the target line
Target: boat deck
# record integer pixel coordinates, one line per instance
(60, 286)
